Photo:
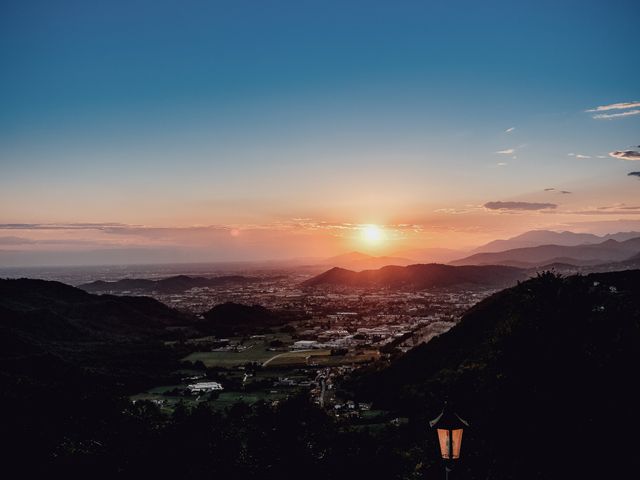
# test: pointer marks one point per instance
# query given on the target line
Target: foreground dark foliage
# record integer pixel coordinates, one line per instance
(103, 438)
(544, 371)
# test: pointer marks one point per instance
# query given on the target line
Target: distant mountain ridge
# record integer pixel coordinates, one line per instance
(175, 284)
(362, 261)
(432, 254)
(536, 238)
(419, 276)
(588, 254)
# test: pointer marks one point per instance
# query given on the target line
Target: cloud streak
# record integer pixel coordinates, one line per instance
(608, 116)
(64, 226)
(616, 209)
(615, 106)
(625, 154)
(526, 206)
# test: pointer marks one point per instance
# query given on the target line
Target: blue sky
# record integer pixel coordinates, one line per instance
(246, 114)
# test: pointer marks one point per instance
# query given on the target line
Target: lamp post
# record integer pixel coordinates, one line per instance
(449, 427)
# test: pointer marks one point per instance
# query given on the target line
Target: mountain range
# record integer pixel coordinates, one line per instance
(536, 238)
(419, 276)
(588, 254)
(362, 261)
(431, 254)
(530, 239)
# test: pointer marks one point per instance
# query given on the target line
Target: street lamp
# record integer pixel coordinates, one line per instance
(449, 427)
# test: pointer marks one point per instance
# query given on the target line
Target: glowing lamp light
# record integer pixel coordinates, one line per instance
(449, 427)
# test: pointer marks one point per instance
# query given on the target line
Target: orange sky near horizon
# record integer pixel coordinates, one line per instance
(461, 229)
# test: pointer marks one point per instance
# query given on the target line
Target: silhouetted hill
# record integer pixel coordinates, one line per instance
(234, 318)
(536, 238)
(67, 358)
(431, 254)
(607, 251)
(175, 284)
(635, 258)
(543, 371)
(419, 276)
(49, 326)
(362, 261)
(100, 314)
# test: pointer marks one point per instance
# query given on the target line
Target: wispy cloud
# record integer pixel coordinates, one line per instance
(508, 151)
(615, 106)
(578, 155)
(454, 211)
(619, 206)
(625, 154)
(615, 209)
(519, 206)
(562, 192)
(510, 129)
(608, 116)
(64, 226)
(177, 234)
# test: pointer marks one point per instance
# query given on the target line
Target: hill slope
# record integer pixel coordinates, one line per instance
(234, 318)
(546, 363)
(54, 334)
(361, 261)
(419, 276)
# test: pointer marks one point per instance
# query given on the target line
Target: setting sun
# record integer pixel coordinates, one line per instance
(372, 234)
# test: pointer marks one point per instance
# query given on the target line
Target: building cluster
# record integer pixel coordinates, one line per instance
(204, 387)
(341, 329)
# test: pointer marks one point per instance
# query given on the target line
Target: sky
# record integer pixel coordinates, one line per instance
(150, 131)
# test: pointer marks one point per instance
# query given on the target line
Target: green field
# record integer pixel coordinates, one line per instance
(256, 353)
(297, 358)
(260, 354)
(334, 361)
(227, 399)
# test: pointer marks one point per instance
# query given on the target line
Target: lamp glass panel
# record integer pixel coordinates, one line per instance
(444, 438)
(450, 442)
(456, 437)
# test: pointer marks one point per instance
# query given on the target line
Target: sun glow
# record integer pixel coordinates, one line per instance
(372, 234)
